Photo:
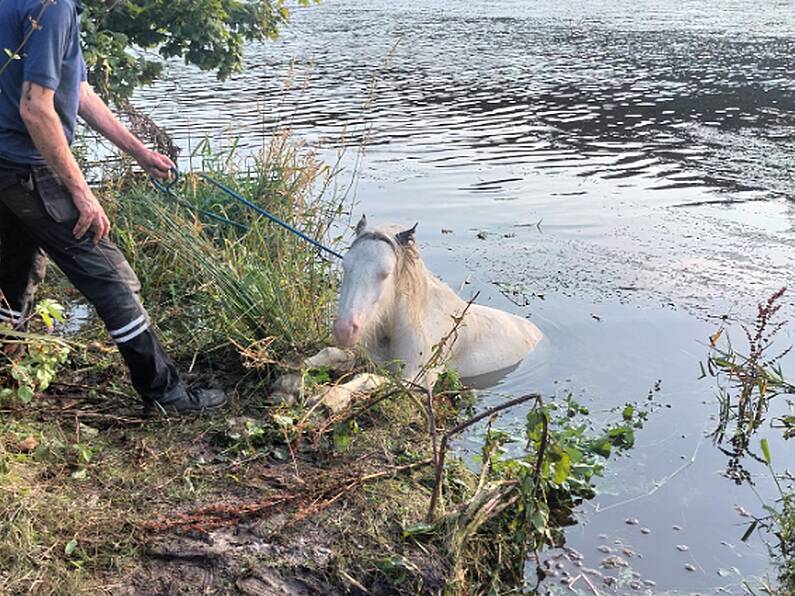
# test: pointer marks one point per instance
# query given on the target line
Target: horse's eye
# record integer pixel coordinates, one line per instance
(383, 275)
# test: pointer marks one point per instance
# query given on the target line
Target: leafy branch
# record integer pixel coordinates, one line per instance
(30, 361)
(35, 25)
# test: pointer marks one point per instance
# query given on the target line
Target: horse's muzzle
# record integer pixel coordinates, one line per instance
(347, 332)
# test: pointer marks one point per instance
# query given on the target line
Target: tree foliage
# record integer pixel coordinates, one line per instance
(126, 41)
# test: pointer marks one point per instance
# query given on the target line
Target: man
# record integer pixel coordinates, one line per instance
(46, 206)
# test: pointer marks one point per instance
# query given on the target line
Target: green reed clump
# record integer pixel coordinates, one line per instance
(211, 286)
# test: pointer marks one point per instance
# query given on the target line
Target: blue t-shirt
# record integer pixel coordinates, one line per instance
(51, 57)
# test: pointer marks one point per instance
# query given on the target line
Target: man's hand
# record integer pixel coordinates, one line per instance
(92, 216)
(154, 163)
(37, 109)
(99, 117)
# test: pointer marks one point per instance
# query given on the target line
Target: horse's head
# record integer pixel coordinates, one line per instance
(370, 278)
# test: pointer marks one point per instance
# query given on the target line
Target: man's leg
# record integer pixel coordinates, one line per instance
(22, 268)
(104, 277)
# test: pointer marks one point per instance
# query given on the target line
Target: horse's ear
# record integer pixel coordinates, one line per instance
(407, 237)
(362, 225)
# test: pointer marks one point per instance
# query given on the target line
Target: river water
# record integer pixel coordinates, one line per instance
(621, 172)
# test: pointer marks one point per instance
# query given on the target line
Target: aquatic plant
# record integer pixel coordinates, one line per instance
(747, 383)
(779, 521)
(522, 501)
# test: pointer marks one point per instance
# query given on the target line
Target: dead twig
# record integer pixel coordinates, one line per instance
(439, 459)
(309, 500)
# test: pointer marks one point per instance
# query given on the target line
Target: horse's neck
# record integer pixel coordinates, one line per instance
(420, 312)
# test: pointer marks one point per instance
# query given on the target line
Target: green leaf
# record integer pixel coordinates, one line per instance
(419, 529)
(628, 412)
(723, 362)
(601, 446)
(70, 547)
(283, 421)
(25, 394)
(539, 519)
(562, 469)
(45, 316)
(766, 451)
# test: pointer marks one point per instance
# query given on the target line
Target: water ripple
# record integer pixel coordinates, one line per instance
(645, 93)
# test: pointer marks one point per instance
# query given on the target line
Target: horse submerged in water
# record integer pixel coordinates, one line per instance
(399, 311)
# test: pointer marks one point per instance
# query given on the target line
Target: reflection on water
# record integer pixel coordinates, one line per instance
(619, 171)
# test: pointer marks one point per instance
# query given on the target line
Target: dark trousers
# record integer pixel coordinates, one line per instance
(37, 217)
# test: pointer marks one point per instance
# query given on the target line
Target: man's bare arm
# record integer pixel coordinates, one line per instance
(99, 117)
(37, 109)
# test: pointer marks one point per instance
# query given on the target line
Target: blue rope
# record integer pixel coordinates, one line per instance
(237, 196)
(168, 189)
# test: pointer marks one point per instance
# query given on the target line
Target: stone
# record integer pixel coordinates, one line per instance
(338, 397)
(279, 398)
(614, 562)
(287, 389)
(333, 358)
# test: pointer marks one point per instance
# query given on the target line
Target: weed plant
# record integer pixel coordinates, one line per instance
(747, 383)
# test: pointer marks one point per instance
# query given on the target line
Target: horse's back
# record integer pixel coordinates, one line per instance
(491, 340)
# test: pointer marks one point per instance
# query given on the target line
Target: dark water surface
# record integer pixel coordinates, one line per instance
(620, 172)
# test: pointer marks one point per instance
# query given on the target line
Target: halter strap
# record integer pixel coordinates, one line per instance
(379, 236)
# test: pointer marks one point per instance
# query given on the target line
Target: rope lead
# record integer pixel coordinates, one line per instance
(168, 189)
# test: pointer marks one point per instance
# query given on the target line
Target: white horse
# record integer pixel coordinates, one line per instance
(400, 312)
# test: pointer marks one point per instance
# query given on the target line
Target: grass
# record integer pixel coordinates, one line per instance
(94, 504)
(137, 474)
(207, 284)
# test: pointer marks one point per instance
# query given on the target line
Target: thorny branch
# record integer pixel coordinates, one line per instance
(309, 500)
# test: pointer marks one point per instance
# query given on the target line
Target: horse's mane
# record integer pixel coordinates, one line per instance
(413, 278)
